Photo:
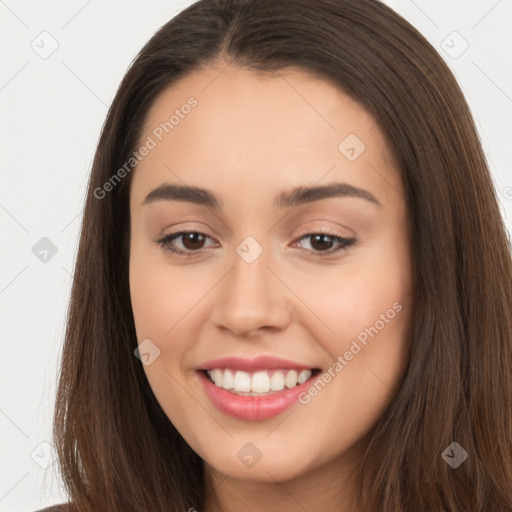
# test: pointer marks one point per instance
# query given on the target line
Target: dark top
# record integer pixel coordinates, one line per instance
(55, 508)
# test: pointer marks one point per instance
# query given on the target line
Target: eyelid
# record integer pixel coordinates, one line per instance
(344, 241)
(347, 243)
(165, 240)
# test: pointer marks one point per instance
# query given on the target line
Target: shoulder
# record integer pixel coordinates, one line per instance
(56, 508)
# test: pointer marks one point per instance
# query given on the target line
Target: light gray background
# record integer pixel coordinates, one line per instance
(52, 110)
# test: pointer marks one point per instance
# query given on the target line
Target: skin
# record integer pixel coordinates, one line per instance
(251, 137)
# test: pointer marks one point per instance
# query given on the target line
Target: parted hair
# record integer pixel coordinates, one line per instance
(117, 449)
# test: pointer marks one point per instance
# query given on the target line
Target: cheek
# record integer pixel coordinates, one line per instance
(163, 296)
(160, 301)
(168, 308)
(150, 304)
(351, 298)
(367, 306)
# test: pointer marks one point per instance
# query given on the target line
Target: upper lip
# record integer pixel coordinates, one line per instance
(253, 365)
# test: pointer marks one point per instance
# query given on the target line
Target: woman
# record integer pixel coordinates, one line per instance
(293, 288)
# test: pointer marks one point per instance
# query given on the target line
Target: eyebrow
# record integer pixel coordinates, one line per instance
(293, 198)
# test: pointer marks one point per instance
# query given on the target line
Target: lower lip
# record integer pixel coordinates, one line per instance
(252, 408)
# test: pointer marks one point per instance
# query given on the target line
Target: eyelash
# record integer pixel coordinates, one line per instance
(345, 243)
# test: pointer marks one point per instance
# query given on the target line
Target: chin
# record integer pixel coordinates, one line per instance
(269, 468)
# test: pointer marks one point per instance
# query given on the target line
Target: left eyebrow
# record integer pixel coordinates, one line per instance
(292, 198)
(302, 195)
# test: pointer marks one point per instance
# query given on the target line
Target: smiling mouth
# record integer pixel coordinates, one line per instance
(260, 383)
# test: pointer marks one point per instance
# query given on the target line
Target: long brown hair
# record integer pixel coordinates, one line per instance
(118, 451)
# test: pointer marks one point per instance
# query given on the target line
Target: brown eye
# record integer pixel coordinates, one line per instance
(191, 241)
(322, 243)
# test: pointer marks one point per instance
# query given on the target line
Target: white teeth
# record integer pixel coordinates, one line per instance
(228, 381)
(261, 382)
(290, 381)
(218, 377)
(277, 381)
(304, 375)
(242, 381)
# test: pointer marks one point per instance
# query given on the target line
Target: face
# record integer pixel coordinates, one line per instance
(294, 270)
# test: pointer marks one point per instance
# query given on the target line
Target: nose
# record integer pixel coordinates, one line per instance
(251, 298)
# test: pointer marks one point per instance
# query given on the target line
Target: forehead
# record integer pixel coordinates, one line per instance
(258, 130)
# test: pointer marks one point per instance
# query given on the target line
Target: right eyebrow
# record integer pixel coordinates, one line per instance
(196, 195)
